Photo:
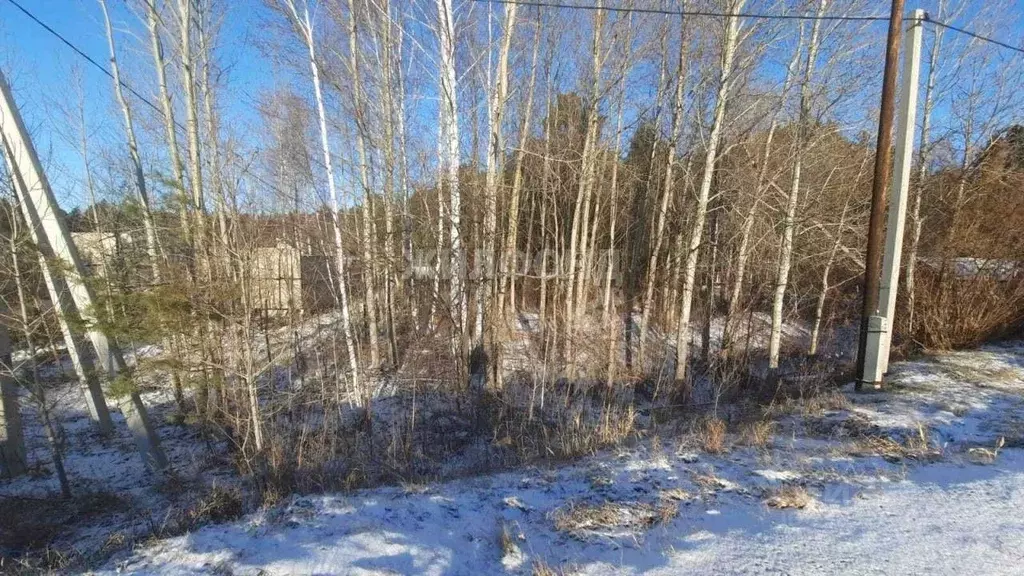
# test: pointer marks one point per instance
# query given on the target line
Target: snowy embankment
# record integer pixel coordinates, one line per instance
(926, 478)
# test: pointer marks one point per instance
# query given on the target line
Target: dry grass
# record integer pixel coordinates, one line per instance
(788, 496)
(542, 568)
(711, 434)
(508, 538)
(28, 524)
(565, 432)
(815, 403)
(828, 401)
(115, 541)
(757, 434)
(611, 518)
(50, 560)
(982, 455)
(1004, 375)
(1012, 432)
(916, 446)
(674, 495)
(965, 311)
(980, 375)
(657, 449)
(707, 481)
(957, 409)
(31, 530)
(218, 505)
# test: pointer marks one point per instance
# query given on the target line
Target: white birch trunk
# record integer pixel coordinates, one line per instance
(666, 193)
(160, 65)
(439, 232)
(133, 151)
(368, 240)
(305, 26)
(220, 203)
(577, 235)
(197, 202)
(510, 266)
(703, 195)
(658, 104)
(495, 159)
(789, 224)
(407, 244)
(747, 227)
(819, 307)
(449, 134)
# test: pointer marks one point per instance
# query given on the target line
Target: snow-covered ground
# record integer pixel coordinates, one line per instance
(927, 477)
(115, 499)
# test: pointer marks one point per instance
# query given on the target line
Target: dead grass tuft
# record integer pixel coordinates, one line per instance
(218, 505)
(711, 435)
(114, 541)
(788, 496)
(707, 481)
(980, 375)
(982, 455)
(674, 495)
(542, 568)
(611, 518)
(916, 446)
(49, 560)
(509, 537)
(757, 434)
(33, 524)
(831, 400)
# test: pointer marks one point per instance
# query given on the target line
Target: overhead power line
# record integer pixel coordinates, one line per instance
(975, 35)
(129, 88)
(540, 4)
(78, 51)
(753, 15)
(697, 13)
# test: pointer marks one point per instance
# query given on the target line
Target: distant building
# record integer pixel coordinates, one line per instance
(96, 248)
(284, 279)
(996, 269)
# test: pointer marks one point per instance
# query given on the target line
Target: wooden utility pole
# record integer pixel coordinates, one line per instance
(876, 230)
(44, 217)
(905, 127)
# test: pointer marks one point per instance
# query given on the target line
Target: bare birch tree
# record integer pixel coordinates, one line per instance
(789, 224)
(729, 45)
(449, 165)
(304, 26)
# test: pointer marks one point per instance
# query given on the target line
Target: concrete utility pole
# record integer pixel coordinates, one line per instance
(905, 128)
(12, 440)
(58, 291)
(43, 216)
(870, 321)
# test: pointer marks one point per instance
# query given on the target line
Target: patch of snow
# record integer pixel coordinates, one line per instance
(869, 516)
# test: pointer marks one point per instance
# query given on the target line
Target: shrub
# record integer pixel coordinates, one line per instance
(788, 496)
(712, 435)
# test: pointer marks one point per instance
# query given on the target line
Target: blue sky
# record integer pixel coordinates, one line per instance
(43, 72)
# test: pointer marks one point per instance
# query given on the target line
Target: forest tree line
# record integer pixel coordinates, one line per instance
(645, 198)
